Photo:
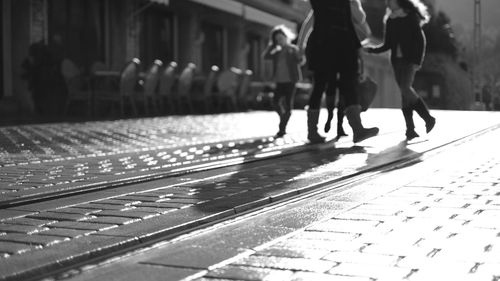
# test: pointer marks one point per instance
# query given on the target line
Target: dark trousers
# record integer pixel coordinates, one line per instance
(404, 73)
(344, 80)
(283, 99)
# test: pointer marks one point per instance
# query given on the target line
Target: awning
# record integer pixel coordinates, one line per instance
(246, 12)
(228, 6)
(261, 17)
(166, 2)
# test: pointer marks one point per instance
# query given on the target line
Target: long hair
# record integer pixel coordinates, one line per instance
(417, 8)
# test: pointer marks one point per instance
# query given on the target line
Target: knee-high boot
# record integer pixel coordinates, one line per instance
(421, 108)
(340, 121)
(410, 126)
(283, 122)
(361, 133)
(312, 126)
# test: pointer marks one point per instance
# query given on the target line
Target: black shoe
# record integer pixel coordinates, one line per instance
(279, 134)
(328, 126)
(429, 124)
(411, 134)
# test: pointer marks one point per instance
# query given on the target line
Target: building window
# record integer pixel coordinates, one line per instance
(157, 36)
(213, 46)
(78, 27)
(1, 54)
(254, 54)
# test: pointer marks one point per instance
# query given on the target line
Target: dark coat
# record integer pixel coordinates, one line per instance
(333, 43)
(406, 33)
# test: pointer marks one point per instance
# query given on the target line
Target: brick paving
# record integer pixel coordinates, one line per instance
(38, 159)
(443, 226)
(89, 225)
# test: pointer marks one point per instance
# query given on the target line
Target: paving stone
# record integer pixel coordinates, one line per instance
(12, 248)
(348, 226)
(113, 220)
(304, 276)
(362, 258)
(28, 221)
(83, 225)
(285, 252)
(295, 264)
(58, 216)
(250, 273)
(33, 239)
(64, 232)
(9, 214)
(26, 229)
(374, 271)
(133, 214)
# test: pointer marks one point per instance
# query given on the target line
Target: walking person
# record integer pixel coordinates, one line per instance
(406, 40)
(332, 54)
(286, 61)
(332, 100)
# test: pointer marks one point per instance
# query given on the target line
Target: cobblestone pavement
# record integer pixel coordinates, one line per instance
(42, 160)
(435, 220)
(46, 158)
(79, 227)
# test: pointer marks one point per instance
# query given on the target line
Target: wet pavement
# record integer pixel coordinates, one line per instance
(140, 195)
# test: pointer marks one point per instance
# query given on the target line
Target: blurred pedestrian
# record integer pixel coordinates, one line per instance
(406, 40)
(332, 54)
(486, 92)
(286, 61)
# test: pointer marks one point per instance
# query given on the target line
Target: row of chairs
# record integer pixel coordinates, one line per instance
(160, 89)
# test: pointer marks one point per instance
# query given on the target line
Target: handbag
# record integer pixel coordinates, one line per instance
(366, 88)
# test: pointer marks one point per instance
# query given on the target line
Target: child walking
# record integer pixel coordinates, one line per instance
(286, 61)
(406, 40)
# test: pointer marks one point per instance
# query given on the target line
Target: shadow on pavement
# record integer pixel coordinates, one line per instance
(261, 182)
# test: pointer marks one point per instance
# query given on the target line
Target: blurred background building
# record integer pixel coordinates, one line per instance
(225, 33)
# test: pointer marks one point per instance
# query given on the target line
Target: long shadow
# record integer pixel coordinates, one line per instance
(256, 183)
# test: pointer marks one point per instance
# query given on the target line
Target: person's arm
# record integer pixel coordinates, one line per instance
(358, 15)
(270, 51)
(420, 41)
(305, 30)
(387, 41)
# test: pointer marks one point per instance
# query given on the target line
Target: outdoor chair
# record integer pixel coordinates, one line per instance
(227, 89)
(166, 88)
(203, 95)
(78, 86)
(184, 86)
(245, 99)
(123, 87)
(148, 93)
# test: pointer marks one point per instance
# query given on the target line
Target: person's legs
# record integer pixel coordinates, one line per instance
(347, 91)
(411, 100)
(319, 85)
(340, 117)
(331, 92)
(287, 105)
(278, 97)
(402, 76)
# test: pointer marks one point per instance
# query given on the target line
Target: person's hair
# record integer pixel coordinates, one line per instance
(281, 29)
(417, 8)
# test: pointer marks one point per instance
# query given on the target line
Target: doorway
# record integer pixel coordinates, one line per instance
(2, 53)
(79, 25)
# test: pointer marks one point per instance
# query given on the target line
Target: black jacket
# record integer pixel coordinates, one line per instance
(333, 43)
(406, 33)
